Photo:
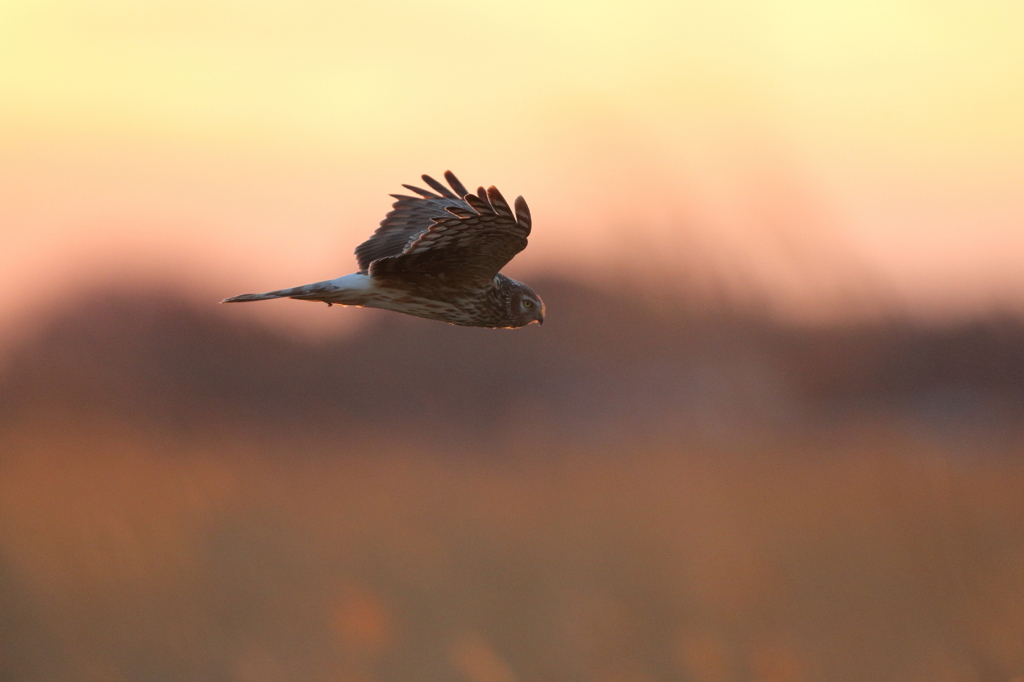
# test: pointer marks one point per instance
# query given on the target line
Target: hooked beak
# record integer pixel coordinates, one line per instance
(540, 314)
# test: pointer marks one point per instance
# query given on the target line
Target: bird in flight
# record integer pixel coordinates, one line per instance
(437, 256)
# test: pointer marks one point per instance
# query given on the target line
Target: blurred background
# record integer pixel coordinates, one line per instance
(771, 431)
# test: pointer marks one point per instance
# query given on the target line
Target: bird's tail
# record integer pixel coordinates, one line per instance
(253, 297)
(313, 292)
(346, 290)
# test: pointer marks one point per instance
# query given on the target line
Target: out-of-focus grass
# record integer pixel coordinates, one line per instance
(644, 496)
(868, 557)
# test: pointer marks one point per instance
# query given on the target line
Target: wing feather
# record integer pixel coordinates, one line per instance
(409, 217)
(480, 205)
(523, 214)
(463, 248)
(498, 202)
(460, 189)
(422, 192)
(461, 211)
(438, 187)
(465, 241)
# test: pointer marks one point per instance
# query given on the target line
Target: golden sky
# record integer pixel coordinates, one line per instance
(817, 150)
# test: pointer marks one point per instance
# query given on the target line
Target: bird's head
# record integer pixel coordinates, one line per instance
(526, 306)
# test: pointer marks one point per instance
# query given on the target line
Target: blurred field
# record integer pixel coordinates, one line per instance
(876, 559)
(662, 494)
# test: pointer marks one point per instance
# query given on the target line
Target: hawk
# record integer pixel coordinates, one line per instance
(437, 256)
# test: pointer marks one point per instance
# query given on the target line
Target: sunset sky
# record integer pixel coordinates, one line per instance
(832, 154)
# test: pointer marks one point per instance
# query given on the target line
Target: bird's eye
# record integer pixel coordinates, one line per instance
(527, 303)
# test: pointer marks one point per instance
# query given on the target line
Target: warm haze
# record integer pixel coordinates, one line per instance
(808, 149)
(698, 486)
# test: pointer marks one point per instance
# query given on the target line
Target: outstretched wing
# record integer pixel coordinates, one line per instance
(466, 245)
(409, 218)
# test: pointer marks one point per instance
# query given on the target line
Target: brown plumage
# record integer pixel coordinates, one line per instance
(438, 256)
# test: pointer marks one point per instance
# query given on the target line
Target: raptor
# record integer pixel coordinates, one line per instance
(437, 255)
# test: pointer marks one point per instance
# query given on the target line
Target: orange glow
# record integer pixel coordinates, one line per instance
(805, 149)
(362, 622)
